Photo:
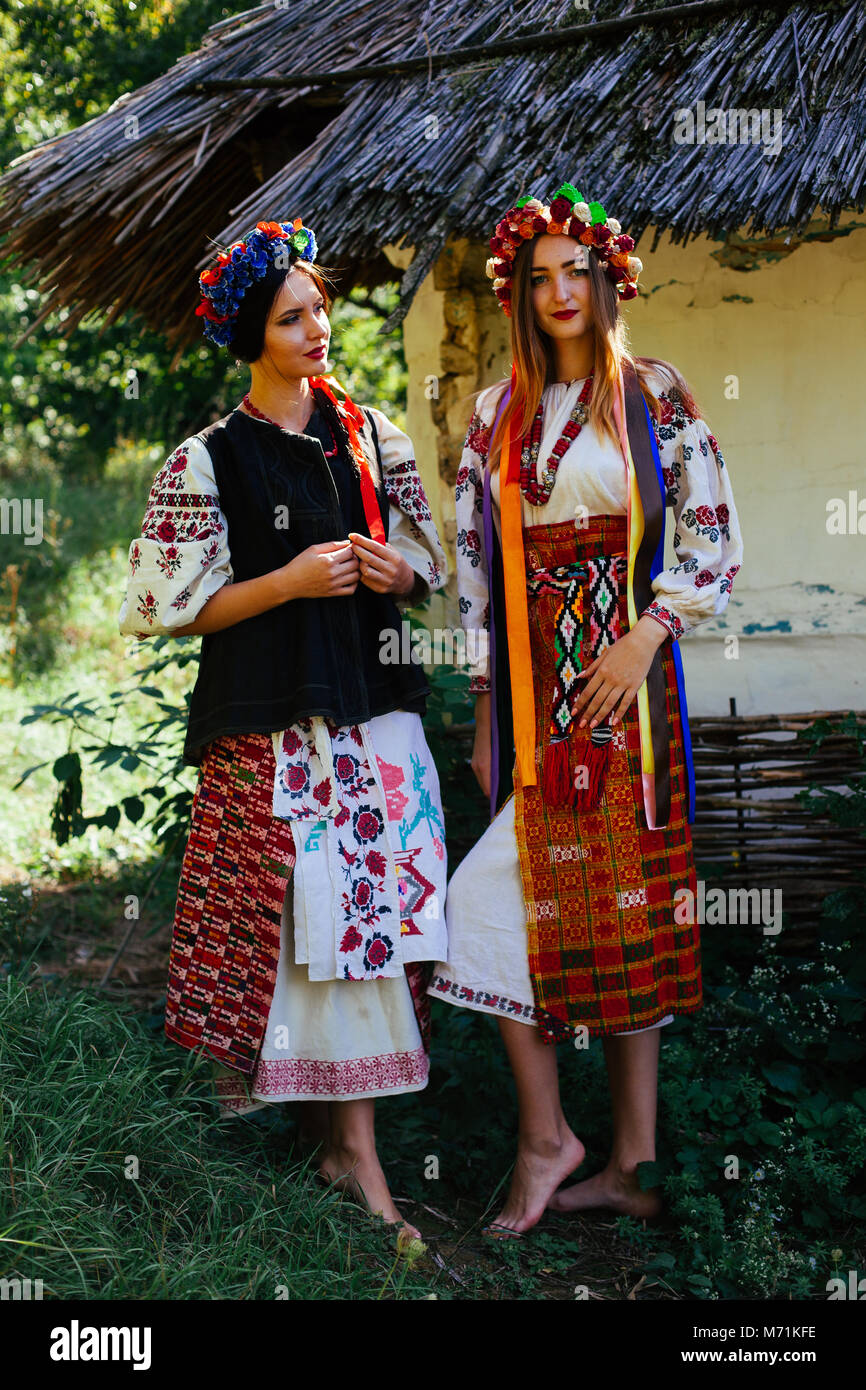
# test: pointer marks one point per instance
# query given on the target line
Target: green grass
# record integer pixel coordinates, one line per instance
(120, 1183)
(226, 1209)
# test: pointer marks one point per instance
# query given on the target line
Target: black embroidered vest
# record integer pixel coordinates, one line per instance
(279, 495)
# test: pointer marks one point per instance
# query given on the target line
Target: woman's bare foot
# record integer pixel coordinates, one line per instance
(360, 1176)
(540, 1168)
(612, 1188)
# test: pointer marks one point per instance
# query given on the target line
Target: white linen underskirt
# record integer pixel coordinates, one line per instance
(328, 1039)
(488, 957)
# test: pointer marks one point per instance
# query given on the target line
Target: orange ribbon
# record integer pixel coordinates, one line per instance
(516, 606)
(352, 418)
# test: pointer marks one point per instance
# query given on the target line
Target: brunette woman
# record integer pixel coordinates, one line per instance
(290, 535)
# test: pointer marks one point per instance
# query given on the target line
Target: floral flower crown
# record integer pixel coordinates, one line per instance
(567, 214)
(225, 283)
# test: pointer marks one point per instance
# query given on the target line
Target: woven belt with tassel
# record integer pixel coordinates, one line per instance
(589, 609)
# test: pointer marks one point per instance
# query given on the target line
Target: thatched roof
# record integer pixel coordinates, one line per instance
(116, 215)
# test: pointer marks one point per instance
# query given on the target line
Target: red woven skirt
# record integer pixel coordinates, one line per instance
(604, 949)
(226, 941)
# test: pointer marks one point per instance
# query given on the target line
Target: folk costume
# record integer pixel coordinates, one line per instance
(563, 913)
(310, 901)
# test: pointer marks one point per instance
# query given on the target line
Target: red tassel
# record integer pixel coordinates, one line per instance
(595, 759)
(557, 776)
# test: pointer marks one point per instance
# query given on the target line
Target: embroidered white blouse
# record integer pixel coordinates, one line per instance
(182, 557)
(591, 480)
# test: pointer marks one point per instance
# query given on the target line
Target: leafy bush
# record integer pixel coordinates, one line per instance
(153, 756)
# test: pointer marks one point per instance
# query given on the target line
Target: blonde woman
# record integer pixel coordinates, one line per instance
(563, 921)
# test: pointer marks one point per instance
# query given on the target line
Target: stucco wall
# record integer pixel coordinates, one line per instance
(791, 429)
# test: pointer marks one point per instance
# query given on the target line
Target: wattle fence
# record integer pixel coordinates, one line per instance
(752, 829)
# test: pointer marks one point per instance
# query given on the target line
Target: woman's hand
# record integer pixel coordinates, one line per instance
(481, 752)
(383, 569)
(327, 570)
(613, 679)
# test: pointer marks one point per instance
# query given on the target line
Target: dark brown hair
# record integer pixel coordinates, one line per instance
(248, 340)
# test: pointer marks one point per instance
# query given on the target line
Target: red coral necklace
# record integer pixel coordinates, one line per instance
(537, 491)
(260, 415)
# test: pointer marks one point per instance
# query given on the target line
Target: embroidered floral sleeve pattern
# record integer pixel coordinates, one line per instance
(471, 561)
(181, 557)
(411, 529)
(707, 537)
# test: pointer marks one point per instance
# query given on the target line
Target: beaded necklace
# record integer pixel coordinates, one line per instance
(260, 415)
(537, 491)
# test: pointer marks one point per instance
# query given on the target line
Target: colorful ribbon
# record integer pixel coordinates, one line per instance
(354, 420)
(516, 607)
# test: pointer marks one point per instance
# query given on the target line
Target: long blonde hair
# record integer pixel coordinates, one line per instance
(532, 353)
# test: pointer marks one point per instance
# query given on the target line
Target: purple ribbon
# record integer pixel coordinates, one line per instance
(655, 568)
(488, 551)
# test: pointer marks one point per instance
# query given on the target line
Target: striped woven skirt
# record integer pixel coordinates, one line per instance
(563, 917)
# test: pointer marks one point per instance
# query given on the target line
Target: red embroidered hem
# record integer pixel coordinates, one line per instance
(483, 1000)
(292, 1077)
(303, 1079)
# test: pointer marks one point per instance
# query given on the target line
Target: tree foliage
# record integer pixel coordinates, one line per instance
(65, 63)
(71, 401)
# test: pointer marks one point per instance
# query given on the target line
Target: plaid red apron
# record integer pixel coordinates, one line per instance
(604, 949)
